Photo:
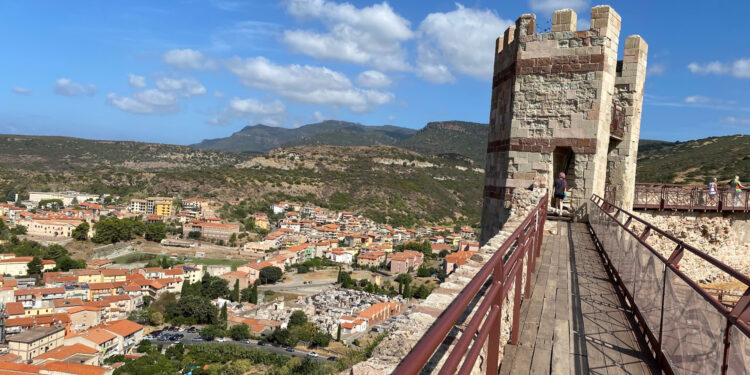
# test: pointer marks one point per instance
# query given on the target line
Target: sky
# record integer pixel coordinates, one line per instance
(182, 71)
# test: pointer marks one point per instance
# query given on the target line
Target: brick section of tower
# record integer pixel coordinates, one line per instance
(551, 110)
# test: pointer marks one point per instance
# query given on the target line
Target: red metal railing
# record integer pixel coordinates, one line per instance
(688, 328)
(503, 270)
(690, 198)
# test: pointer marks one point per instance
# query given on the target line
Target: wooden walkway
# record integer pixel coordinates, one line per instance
(574, 322)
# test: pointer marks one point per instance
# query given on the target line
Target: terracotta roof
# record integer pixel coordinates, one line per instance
(73, 368)
(19, 368)
(14, 308)
(10, 357)
(67, 302)
(17, 260)
(97, 335)
(77, 309)
(114, 272)
(122, 327)
(66, 351)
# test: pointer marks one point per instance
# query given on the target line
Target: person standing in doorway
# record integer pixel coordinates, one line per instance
(560, 187)
(712, 191)
(736, 187)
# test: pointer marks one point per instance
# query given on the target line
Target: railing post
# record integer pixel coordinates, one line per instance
(516, 306)
(493, 345)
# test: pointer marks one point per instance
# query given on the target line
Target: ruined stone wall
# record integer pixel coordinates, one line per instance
(414, 323)
(725, 237)
(553, 91)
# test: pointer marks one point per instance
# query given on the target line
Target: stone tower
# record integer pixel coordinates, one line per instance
(562, 102)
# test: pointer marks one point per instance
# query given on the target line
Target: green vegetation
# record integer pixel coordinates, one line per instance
(113, 230)
(695, 161)
(300, 330)
(81, 233)
(270, 275)
(23, 248)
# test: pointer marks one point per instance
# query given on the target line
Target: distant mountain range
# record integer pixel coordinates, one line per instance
(436, 138)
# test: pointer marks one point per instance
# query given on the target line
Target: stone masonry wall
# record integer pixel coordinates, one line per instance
(724, 237)
(623, 154)
(414, 323)
(554, 91)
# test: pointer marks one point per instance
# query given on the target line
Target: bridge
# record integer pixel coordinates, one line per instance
(582, 298)
(665, 197)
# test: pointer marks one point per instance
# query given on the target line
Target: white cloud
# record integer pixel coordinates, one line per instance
(65, 86)
(739, 68)
(185, 87)
(307, 84)
(188, 59)
(371, 35)
(218, 94)
(656, 69)
(21, 91)
(246, 108)
(391, 118)
(549, 6)
(373, 79)
(145, 103)
(461, 40)
(136, 81)
(736, 121)
(319, 116)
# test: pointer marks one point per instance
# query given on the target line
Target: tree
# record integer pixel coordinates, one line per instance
(156, 318)
(422, 292)
(156, 231)
(338, 333)
(298, 318)
(144, 346)
(224, 316)
(423, 272)
(239, 332)
(320, 339)
(235, 295)
(66, 263)
(35, 266)
(18, 230)
(407, 290)
(209, 333)
(302, 269)
(194, 235)
(426, 248)
(81, 232)
(254, 295)
(270, 274)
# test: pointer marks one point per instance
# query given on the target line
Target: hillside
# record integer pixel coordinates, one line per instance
(262, 138)
(694, 161)
(385, 183)
(56, 154)
(436, 138)
(451, 137)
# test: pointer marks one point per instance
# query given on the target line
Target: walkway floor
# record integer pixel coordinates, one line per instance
(574, 322)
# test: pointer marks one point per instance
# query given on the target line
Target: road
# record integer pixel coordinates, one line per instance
(188, 340)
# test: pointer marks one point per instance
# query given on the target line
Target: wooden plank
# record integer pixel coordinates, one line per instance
(541, 362)
(561, 348)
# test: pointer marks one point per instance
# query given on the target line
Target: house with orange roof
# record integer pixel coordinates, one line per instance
(371, 258)
(68, 368)
(62, 305)
(97, 264)
(84, 317)
(152, 272)
(14, 310)
(453, 261)
(12, 368)
(99, 339)
(19, 266)
(234, 276)
(465, 245)
(112, 275)
(88, 276)
(76, 353)
(129, 333)
(379, 312)
(401, 262)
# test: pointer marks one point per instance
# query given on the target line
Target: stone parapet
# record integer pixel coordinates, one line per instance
(409, 327)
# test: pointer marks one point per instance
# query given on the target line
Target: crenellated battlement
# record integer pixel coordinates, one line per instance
(556, 98)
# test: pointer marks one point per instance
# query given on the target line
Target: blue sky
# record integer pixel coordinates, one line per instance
(181, 71)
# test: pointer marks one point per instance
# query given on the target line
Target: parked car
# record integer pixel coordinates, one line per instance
(222, 339)
(332, 358)
(261, 343)
(192, 330)
(245, 341)
(289, 349)
(313, 354)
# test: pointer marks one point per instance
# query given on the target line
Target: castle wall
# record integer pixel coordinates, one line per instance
(623, 154)
(553, 93)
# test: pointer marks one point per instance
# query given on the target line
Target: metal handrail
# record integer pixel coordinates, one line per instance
(738, 316)
(505, 267)
(690, 198)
